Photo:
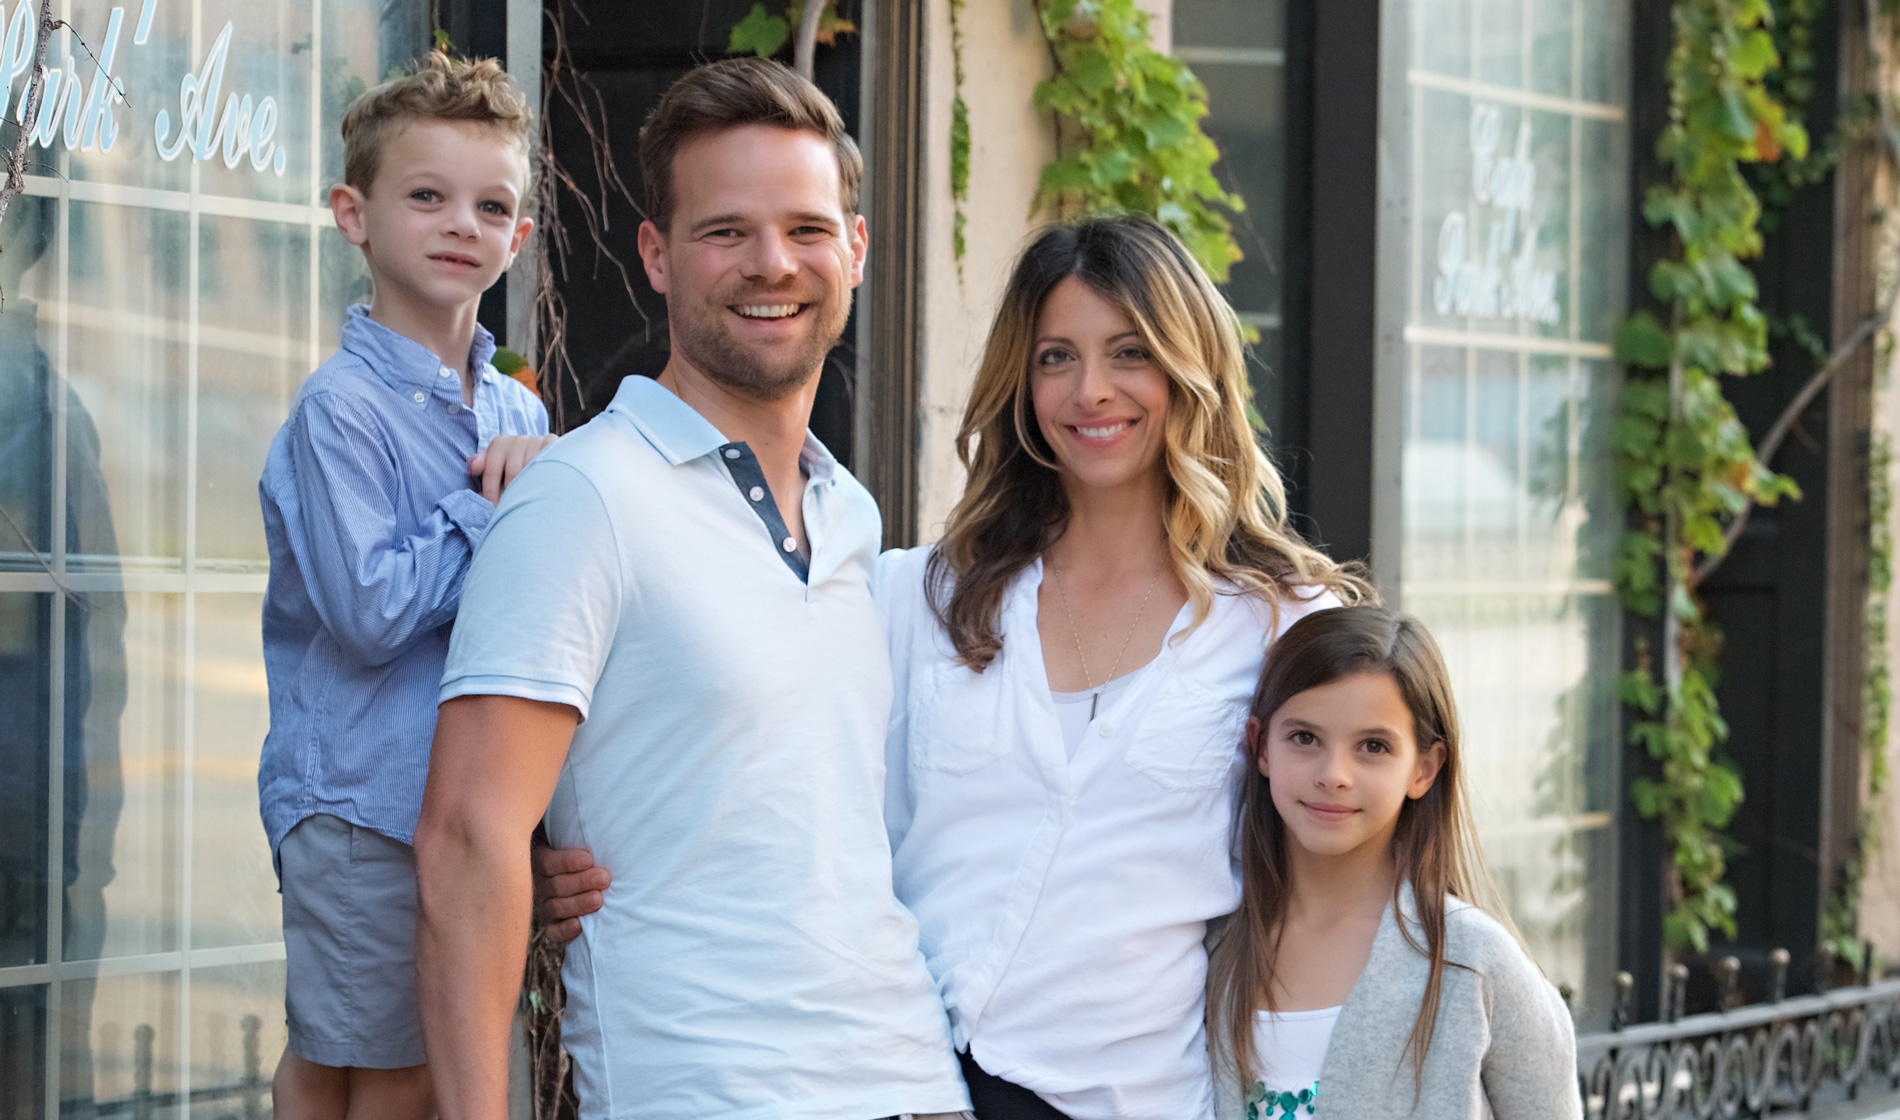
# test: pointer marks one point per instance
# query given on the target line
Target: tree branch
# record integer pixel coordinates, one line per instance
(1784, 423)
(1771, 443)
(806, 48)
(15, 181)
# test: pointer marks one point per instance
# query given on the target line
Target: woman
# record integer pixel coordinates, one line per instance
(1072, 664)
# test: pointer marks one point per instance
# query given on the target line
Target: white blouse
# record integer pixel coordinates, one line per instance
(1062, 904)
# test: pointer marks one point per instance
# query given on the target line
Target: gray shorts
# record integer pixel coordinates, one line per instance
(350, 946)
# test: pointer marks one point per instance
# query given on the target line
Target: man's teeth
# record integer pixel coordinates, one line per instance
(770, 311)
(1101, 433)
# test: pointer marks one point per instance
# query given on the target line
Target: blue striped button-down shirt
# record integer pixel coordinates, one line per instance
(372, 521)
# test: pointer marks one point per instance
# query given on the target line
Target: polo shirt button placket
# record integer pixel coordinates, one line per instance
(757, 493)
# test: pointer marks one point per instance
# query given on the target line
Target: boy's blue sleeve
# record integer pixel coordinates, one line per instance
(376, 589)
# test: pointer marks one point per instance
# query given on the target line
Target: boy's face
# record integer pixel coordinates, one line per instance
(442, 220)
(760, 258)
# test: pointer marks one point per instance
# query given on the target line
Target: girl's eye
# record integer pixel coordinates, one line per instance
(1305, 738)
(1378, 746)
(1055, 355)
(1131, 354)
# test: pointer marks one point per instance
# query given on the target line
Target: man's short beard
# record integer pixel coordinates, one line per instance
(713, 351)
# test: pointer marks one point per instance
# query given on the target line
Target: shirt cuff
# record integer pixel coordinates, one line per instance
(469, 512)
(524, 688)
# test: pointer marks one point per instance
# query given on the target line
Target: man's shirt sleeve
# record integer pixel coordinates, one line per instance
(376, 588)
(543, 600)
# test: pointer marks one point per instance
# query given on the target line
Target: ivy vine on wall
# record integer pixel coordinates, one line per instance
(959, 136)
(1128, 129)
(1685, 466)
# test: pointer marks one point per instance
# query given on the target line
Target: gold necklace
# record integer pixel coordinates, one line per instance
(1062, 589)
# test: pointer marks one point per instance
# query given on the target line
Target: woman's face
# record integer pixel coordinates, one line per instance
(1100, 400)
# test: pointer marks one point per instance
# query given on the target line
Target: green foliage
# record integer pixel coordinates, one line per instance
(1129, 122)
(441, 38)
(760, 33)
(1685, 466)
(765, 34)
(959, 136)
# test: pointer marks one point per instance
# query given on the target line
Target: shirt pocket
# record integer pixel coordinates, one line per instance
(960, 720)
(1189, 739)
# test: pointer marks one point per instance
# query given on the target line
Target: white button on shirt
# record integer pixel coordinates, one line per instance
(751, 962)
(1062, 904)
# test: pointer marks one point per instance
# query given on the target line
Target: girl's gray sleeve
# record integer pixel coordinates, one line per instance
(1530, 1068)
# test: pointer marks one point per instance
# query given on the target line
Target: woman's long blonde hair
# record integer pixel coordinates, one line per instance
(1226, 505)
(1435, 847)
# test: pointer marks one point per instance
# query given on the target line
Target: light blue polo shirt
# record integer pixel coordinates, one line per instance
(751, 960)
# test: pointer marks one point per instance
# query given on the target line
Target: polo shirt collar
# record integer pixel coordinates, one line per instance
(677, 431)
(402, 361)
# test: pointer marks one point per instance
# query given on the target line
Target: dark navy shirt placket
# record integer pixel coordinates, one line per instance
(743, 466)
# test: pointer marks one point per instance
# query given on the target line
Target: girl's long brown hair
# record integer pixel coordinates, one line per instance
(1435, 846)
(1226, 511)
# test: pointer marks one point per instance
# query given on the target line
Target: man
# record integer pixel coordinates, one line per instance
(687, 575)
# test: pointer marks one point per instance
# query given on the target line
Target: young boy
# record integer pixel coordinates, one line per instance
(376, 492)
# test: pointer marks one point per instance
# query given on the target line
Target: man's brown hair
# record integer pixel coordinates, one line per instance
(727, 94)
(437, 88)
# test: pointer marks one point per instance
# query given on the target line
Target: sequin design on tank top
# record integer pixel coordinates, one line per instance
(1265, 1104)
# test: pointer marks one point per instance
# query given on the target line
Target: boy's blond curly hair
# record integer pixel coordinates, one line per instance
(437, 88)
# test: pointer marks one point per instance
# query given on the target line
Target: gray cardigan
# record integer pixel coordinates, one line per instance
(1504, 1037)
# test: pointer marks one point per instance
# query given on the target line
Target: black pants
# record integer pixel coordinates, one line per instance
(992, 1098)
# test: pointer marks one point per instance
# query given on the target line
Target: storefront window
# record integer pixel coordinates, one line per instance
(1237, 49)
(1508, 120)
(168, 279)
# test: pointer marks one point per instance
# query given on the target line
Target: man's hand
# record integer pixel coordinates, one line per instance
(503, 460)
(567, 885)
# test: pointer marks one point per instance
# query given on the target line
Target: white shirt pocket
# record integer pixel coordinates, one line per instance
(1189, 739)
(960, 719)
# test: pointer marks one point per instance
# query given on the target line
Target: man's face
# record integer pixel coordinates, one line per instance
(759, 259)
(442, 220)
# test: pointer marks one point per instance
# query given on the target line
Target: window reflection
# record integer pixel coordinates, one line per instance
(1513, 173)
(157, 317)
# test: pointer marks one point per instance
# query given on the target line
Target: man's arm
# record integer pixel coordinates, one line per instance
(492, 771)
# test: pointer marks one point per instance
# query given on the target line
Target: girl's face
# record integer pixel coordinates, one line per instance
(1099, 398)
(1342, 759)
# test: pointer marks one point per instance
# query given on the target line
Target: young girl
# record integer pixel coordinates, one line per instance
(1368, 972)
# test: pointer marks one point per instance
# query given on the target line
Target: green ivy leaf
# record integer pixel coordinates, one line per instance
(1754, 55)
(760, 33)
(1642, 341)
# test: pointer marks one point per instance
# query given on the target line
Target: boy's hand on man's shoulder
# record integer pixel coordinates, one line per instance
(503, 459)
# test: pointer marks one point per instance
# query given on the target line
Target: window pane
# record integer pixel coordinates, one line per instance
(254, 350)
(158, 316)
(234, 889)
(1512, 179)
(1237, 49)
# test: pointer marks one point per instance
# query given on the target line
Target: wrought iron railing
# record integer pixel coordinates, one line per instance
(248, 1097)
(1786, 1056)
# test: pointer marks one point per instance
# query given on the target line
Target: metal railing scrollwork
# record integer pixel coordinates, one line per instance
(1784, 1056)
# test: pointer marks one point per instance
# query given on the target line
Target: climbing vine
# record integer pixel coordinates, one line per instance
(1128, 129)
(959, 136)
(1685, 466)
